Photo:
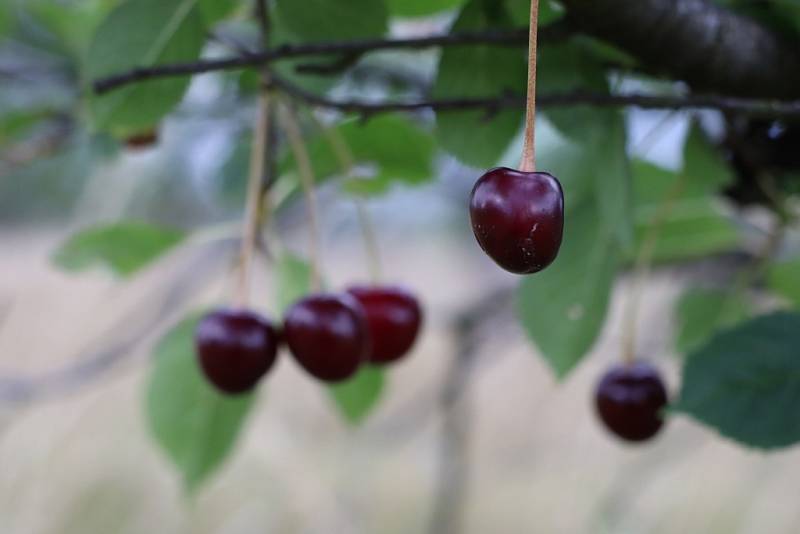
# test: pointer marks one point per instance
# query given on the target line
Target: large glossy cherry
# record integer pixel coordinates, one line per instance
(393, 316)
(328, 335)
(518, 218)
(629, 399)
(235, 348)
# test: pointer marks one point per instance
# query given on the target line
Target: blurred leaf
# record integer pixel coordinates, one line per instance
(563, 308)
(705, 169)
(358, 396)
(71, 23)
(392, 148)
(124, 247)
(746, 381)
(215, 10)
(420, 8)
(566, 67)
(701, 313)
(784, 279)
(696, 224)
(292, 280)
(143, 33)
(194, 424)
(599, 134)
(476, 137)
(549, 12)
(316, 20)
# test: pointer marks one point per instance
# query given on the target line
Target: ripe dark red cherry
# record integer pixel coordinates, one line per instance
(235, 348)
(393, 317)
(629, 400)
(518, 218)
(328, 336)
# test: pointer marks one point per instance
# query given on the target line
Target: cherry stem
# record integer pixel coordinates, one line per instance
(528, 163)
(347, 162)
(642, 267)
(255, 198)
(292, 128)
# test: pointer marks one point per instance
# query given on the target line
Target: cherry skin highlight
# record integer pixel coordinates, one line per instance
(328, 335)
(518, 218)
(393, 317)
(235, 348)
(629, 400)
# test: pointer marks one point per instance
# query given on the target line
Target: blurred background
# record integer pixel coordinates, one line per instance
(473, 432)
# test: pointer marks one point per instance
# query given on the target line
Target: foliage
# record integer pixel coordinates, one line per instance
(194, 424)
(739, 373)
(124, 247)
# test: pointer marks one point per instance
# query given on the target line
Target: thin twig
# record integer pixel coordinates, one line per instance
(528, 163)
(306, 171)
(255, 197)
(641, 269)
(513, 38)
(493, 104)
(347, 163)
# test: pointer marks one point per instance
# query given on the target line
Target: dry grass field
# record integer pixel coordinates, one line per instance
(80, 461)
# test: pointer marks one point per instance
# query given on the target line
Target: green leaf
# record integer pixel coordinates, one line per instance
(520, 10)
(314, 20)
(292, 280)
(214, 11)
(599, 134)
(358, 396)
(143, 33)
(194, 424)
(701, 313)
(476, 137)
(746, 382)
(124, 247)
(421, 8)
(696, 224)
(705, 169)
(392, 148)
(563, 308)
(784, 279)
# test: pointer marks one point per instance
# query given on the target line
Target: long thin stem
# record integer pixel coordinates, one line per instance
(255, 196)
(347, 163)
(641, 269)
(292, 128)
(528, 163)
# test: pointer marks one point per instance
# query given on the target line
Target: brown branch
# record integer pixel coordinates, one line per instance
(513, 38)
(711, 48)
(492, 104)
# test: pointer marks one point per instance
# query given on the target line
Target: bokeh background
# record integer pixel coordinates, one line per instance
(516, 452)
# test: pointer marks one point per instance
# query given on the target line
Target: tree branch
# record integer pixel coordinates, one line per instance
(514, 38)
(492, 104)
(711, 48)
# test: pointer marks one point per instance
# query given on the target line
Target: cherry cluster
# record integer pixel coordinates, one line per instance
(330, 335)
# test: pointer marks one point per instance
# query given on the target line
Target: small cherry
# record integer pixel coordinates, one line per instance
(235, 348)
(142, 140)
(629, 399)
(328, 335)
(518, 218)
(393, 317)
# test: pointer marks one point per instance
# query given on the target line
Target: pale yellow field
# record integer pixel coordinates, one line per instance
(81, 461)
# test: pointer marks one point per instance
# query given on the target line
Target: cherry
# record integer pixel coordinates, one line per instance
(518, 218)
(235, 348)
(328, 335)
(393, 318)
(142, 139)
(629, 399)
